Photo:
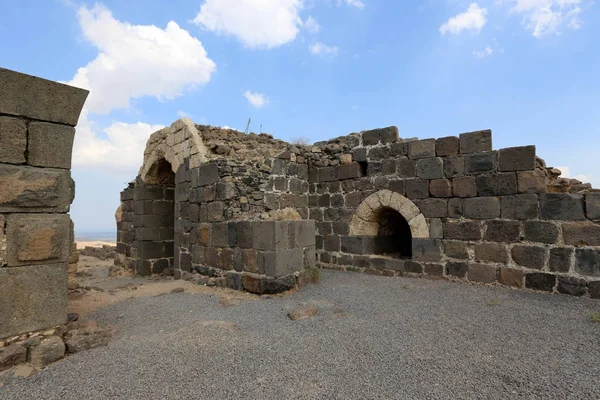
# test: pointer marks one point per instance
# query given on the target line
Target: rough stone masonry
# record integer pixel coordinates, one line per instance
(37, 127)
(252, 212)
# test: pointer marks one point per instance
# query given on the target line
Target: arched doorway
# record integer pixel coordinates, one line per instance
(392, 221)
(155, 219)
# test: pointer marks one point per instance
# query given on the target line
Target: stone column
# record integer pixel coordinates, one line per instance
(37, 128)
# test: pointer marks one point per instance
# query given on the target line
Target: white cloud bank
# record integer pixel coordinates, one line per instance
(257, 100)
(323, 49)
(352, 3)
(474, 19)
(137, 60)
(544, 17)
(256, 23)
(133, 61)
(566, 173)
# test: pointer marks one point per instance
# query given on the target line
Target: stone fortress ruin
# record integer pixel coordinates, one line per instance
(250, 212)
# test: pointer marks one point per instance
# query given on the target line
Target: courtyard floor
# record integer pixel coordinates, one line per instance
(372, 338)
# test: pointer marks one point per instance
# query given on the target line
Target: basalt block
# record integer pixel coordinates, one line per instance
(33, 297)
(37, 239)
(476, 142)
(28, 189)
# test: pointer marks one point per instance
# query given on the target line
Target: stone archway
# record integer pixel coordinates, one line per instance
(174, 144)
(365, 221)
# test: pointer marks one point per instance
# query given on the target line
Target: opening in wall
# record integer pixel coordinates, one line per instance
(155, 229)
(394, 237)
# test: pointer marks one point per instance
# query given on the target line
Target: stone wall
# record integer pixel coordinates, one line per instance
(450, 208)
(37, 127)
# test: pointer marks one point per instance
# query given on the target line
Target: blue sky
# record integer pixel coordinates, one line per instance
(527, 69)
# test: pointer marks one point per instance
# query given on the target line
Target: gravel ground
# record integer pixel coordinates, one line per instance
(373, 338)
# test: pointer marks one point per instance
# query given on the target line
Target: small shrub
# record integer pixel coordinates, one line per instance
(594, 316)
(313, 274)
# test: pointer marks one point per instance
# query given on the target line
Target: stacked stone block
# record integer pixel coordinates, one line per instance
(489, 214)
(483, 215)
(126, 250)
(37, 127)
(154, 224)
(257, 256)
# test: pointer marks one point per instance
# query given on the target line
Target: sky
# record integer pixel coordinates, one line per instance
(316, 69)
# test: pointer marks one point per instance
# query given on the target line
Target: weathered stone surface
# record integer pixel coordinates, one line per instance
(378, 153)
(349, 171)
(50, 145)
(522, 206)
(516, 158)
(480, 163)
(497, 184)
(436, 228)
(33, 298)
(457, 269)
(421, 148)
(562, 206)
(87, 338)
(481, 273)
(572, 286)
(215, 211)
(454, 166)
(462, 230)
(503, 231)
(281, 262)
(440, 188)
(28, 189)
(476, 142)
(417, 188)
(560, 259)
(491, 252)
(529, 256)
(456, 249)
(587, 262)
(511, 277)
(41, 99)
(433, 208)
(540, 231)
(592, 206)
(49, 350)
(13, 140)
(371, 138)
(482, 208)
(430, 168)
(13, 354)
(594, 289)
(455, 207)
(532, 181)
(540, 281)
(37, 238)
(465, 186)
(581, 234)
(447, 146)
(207, 174)
(426, 249)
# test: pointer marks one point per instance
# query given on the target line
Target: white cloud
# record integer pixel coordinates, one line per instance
(323, 49)
(256, 23)
(488, 51)
(566, 173)
(312, 25)
(137, 60)
(474, 19)
(544, 17)
(352, 3)
(257, 100)
(121, 150)
(133, 61)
